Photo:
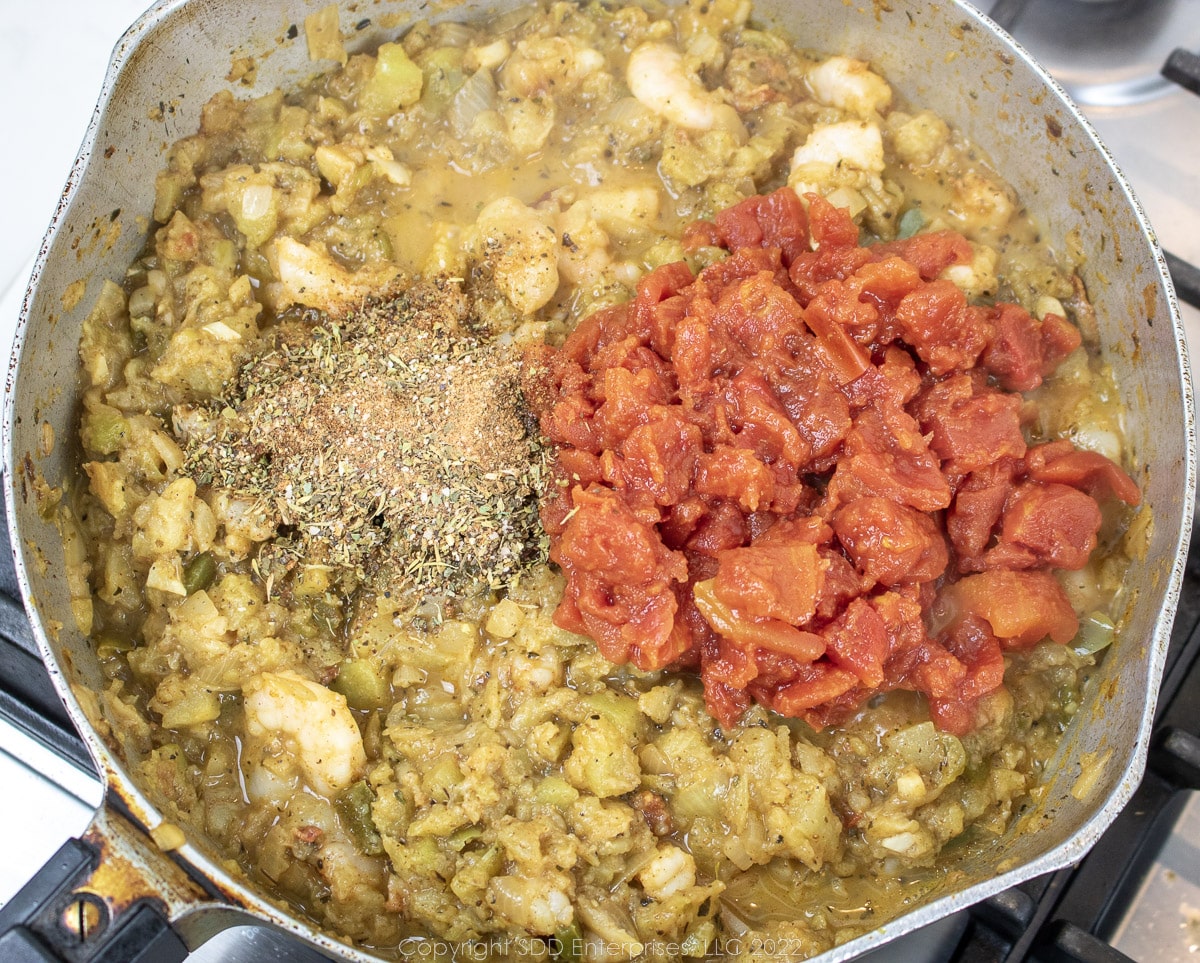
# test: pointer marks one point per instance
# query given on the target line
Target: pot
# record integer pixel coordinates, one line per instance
(114, 893)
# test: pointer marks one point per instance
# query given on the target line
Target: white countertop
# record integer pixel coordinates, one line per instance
(52, 61)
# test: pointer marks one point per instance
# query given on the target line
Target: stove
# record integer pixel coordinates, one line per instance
(1133, 66)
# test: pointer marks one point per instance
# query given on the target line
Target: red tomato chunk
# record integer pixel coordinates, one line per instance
(775, 472)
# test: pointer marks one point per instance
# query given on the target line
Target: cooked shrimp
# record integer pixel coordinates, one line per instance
(544, 63)
(846, 158)
(311, 723)
(671, 871)
(657, 78)
(980, 204)
(850, 84)
(918, 139)
(588, 226)
(849, 143)
(978, 278)
(522, 250)
(316, 280)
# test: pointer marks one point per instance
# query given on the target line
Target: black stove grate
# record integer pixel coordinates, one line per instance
(1067, 916)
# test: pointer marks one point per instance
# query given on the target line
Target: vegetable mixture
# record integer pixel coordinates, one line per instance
(367, 705)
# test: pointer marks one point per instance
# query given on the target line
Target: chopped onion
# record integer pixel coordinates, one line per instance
(1096, 632)
(473, 98)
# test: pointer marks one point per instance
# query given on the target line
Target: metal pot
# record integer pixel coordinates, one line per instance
(943, 55)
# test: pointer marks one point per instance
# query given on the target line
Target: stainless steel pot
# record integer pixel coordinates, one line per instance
(943, 55)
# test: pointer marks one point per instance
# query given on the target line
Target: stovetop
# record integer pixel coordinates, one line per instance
(1136, 896)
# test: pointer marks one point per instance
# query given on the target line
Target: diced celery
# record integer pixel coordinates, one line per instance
(354, 808)
(395, 82)
(109, 645)
(421, 857)
(443, 777)
(169, 186)
(255, 211)
(666, 251)
(334, 163)
(323, 35)
(567, 945)
(622, 711)
(362, 684)
(443, 76)
(104, 431)
(195, 708)
(222, 253)
(699, 939)
(700, 799)
(555, 791)
(911, 221)
(460, 837)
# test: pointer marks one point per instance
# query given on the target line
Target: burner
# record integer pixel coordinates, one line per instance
(1106, 54)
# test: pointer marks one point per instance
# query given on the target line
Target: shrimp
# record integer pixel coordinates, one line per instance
(314, 279)
(541, 64)
(978, 278)
(522, 250)
(850, 84)
(842, 156)
(588, 226)
(850, 143)
(290, 714)
(671, 871)
(657, 78)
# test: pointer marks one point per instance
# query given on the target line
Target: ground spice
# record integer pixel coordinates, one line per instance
(391, 441)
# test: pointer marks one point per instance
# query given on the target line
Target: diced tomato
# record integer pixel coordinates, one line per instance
(1022, 608)
(1023, 350)
(1055, 522)
(815, 685)
(830, 226)
(929, 253)
(660, 455)
(826, 315)
(889, 542)
(820, 412)
(760, 421)
(736, 474)
(1088, 471)
(976, 510)
(723, 527)
(752, 466)
(887, 456)
(628, 396)
(777, 581)
(945, 333)
(969, 425)
(858, 640)
(773, 220)
(700, 234)
(1059, 339)
(758, 315)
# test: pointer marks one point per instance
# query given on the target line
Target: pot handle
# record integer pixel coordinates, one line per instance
(109, 896)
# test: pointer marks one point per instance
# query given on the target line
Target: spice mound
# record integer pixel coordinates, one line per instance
(391, 441)
(805, 471)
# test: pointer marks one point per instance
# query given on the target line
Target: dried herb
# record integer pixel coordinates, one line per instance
(391, 441)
